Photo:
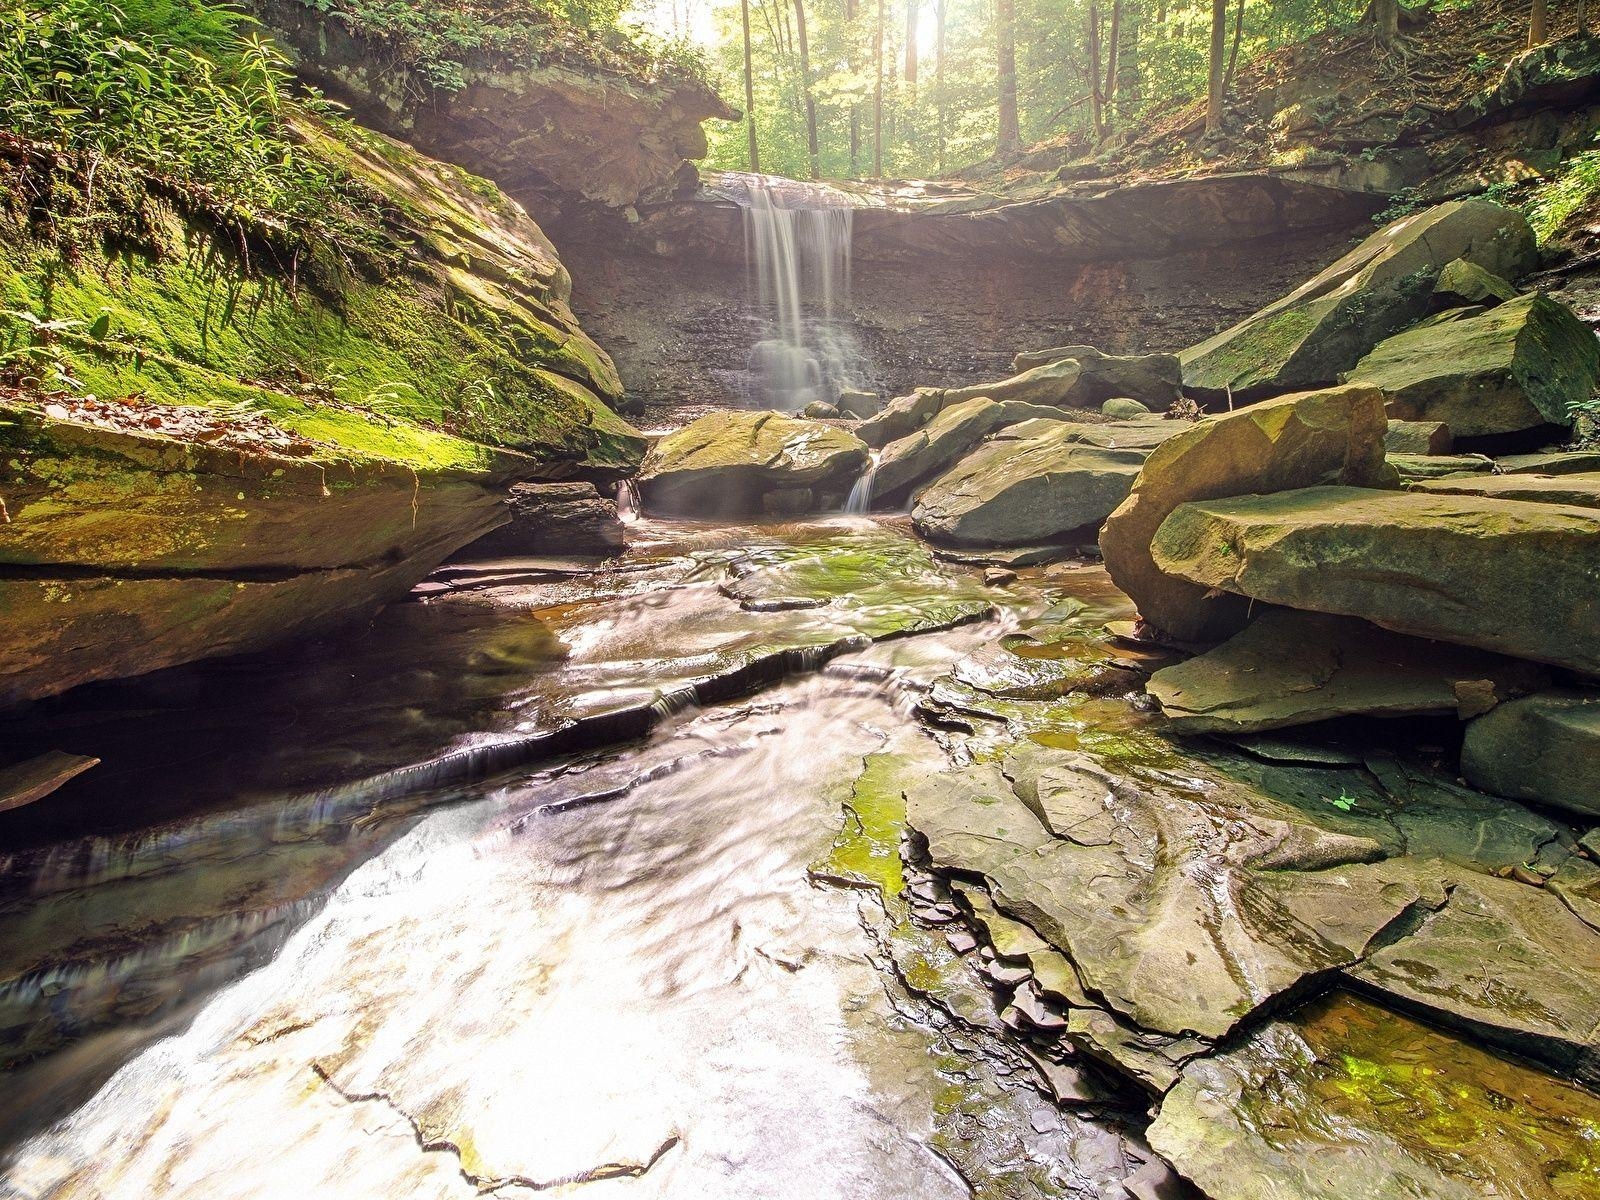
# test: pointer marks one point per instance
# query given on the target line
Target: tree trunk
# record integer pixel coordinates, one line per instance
(855, 109)
(1539, 24)
(1233, 55)
(1113, 53)
(1386, 21)
(749, 89)
(877, 99)
(1219, 48)
(1583, 17)
(1006, 59)
(911, 47)
(938, 73)
(1130, 84)
(813, 151)
(1096, 99)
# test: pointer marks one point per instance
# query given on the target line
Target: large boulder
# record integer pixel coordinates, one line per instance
(933, 448)
(1423, 438)
(1293, 668)
(1504, 575)
(1517, 366)
(1295, 441)
(1544, 748)
(1033, 483)
(1465, 283)
(728, 463)
(1324, 327)
(901, 417)
(1085, 381)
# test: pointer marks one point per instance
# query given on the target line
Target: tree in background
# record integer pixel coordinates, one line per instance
(1217, 80)
(749, 88)
(1539, 24)
(1005, 33)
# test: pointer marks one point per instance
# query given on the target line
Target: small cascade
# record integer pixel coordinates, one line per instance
(797, 236)
(860, 499)
(627, 502)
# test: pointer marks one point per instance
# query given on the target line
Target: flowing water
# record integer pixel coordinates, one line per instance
(348, 928)
(798, 239)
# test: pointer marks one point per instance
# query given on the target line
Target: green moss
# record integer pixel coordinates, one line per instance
(867, 848)
(1254, 354)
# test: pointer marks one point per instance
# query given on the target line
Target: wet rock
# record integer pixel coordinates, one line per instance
(901, 417)
(1535, 995)
(1518, 366)
(1124, 409)
(1428, 466)
(1294, 668)
(998, 576)
(1418, 437)
(1031, 483)
(1544, 748)
(726, 462)
(788, 502)
(1294, 441)
(1323, 328)
(1579, 491)
(555, 518)
(860, 405)
(25, 782)
(1347, 1101)
(1502, 575)
(1464, 283)
(1084, 382)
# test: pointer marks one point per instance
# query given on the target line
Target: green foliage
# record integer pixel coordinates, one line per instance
(1573, 189)
(103, 105)
(437, 40)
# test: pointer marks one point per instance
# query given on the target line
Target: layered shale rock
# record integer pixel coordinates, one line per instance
(1543, 748)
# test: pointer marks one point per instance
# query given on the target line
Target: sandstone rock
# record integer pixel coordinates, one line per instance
(1346, 1101)
(820, 410)
(1085, 382)
(860, 405)
(555, 518)
(1032, 483)
(1502, 575)
(1411, 467)
(1030, 359)
(1294, 441)
(1293, 668)
(1544, 748)
(1462, 283)
(1579, 491)
(1558, 462)
(1123, 408)
(1517, 366)
(725, 462)
(1425, 438)
(1323, 328)
(902, 416)
(933, 448)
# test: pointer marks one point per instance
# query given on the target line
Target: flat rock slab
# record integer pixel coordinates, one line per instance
(1544, 748)
(1555, 462)
(1084, 377)
(726, 463)
(36, 778)
(1032, 483)
(1438, 466)
(1293, 668)
(1517, 366)
(1348, 1101)
(1579, 491)
(1504, 575)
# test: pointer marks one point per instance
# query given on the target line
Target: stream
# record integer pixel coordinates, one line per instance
(398, 915)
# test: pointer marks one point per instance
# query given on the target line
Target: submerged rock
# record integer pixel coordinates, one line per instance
(1520, 365)
(1323, 328)
(1293, 668)
(1034, 482)
(725, 463)
(555, 518)
(1294, 441)
(1348, 1101)
(1544, 748)
(1502, 575)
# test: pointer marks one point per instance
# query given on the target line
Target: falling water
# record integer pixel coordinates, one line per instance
(798, 237)
(627, 502)
(860, 500)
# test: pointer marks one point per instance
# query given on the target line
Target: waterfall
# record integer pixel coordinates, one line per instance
(797, 237)
(860, 500)
(627, 502)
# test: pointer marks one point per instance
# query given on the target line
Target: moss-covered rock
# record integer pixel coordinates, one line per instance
(730, 463)
(1294, 441)
(1521, 364)
(1462, 283)
(1505, 575)
(1324, 327)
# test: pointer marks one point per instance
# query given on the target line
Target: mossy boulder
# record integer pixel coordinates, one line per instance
(1294, 441)
(728, 463)
(1034, 482)
(1504, 575)
(1543, 748)
(1324, 327)
(1463, 283)
(1517, 366)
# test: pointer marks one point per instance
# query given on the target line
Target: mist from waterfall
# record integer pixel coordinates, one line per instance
(797, 240)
